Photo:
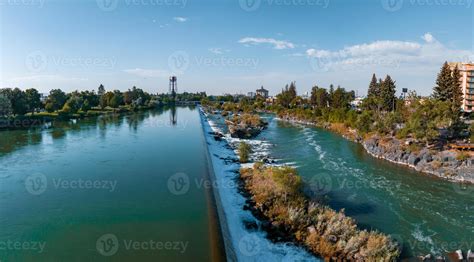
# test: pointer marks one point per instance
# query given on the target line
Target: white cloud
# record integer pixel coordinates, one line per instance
(180, 19)
(277, 44)
(147, 72)
(428, 37)
(388, 54)
(218, 51)
(375, 48)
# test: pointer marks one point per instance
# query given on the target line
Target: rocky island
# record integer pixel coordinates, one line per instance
(245, 125)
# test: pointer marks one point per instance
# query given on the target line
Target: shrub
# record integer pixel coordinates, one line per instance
(462, 156)
(472, 133)
(364, 122)
(244, 152)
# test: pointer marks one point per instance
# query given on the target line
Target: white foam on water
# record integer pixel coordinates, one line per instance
(420, 236)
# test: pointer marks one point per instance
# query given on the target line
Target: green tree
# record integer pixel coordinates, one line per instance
(86, 106)
(472, 133)
(73, 104)
(116, 100)
(455, 99)
(5, 106)
(33, 100)
(56, 100)
(373, 87)
(443, 84)
(319, 97)
(105, 99)
(287, 95)
(18, 100)
(364, 122)
(387, 94)
(101, 90)
(372, 102)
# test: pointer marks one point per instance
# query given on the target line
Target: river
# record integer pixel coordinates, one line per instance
(423, 213)
(133, 187)
(107, 187)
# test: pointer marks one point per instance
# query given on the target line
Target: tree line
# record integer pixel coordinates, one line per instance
(16, 102)
(425, 119)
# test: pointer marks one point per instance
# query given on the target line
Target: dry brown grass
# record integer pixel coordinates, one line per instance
(277, 193)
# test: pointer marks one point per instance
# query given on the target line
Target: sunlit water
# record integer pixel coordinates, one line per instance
(125, 164)
(425, 214)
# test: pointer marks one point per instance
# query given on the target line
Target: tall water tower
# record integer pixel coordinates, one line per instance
(173, 86)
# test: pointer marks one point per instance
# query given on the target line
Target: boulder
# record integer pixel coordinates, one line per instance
(413, 160)
(470, 256)
(250, 225)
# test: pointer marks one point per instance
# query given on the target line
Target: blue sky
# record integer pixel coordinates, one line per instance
(230, 46)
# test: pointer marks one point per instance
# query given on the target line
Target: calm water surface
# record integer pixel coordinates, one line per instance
(423, 213)
(130, 159)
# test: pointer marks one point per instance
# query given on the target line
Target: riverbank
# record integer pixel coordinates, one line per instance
(243, 238)
(445, 164)
(42, 118)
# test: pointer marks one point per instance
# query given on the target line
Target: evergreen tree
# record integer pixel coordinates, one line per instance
(373, 87)
(331, 94)
(101, 90)
(443, 84)
(292, 91)
(455, 89)
(387, 94)
(455, 100)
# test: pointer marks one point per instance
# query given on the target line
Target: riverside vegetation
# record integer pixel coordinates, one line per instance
(414, 131)
(277, 196)
(20, 108)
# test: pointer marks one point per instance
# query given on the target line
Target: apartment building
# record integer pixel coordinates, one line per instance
(467, 84)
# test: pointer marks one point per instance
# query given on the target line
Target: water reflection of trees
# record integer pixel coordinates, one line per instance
(15, 139)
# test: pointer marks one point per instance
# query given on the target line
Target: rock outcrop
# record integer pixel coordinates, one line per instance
(443, 164)
(246, 126)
